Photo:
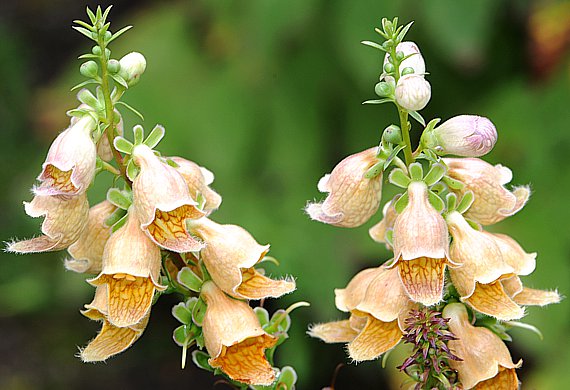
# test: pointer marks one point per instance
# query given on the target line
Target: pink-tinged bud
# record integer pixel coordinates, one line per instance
(230, 256)
(111, 340)
(486, 361)
(234, 338)
(69, 167)
(421, 244)
(131, 270)
(103, 147)
(132, 66)
(65, 219)
(493, 202)
(413, 92)
(378, 232)
(463, 135)
(163, 203)
(377, 303)
(416, 61)
(87, 252)
(486, 261)
(352, 198)
(198, 179)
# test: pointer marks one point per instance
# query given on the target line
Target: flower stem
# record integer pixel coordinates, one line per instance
(406, 135)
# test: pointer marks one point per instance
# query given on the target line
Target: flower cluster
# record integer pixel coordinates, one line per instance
(153, 233)
(435, 229)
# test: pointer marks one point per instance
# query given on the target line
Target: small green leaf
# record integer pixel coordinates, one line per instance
(123, 145)
(132, 170)
(417, 116)
(83, 24)
(373, 44)
(83, 84)
(155, 136)
(523, 325)
(435, 174)
(85, 96)
(378, 101)
(106, 13)
(89, 56)
(416, 171)
(119, 33)
(200, 359)
(118, 198)
(189, 279)
(138, 133)
(466, 202)
(375, 170)
(133, 110)
(393, 155)
(184, 334)
(115, 217)
(91, 15)
(119, 224)
(77, 112)
(262, 315)
(399, 178)
(403, 32)
(452, 183)
(436, 201)
(199, 312)
(85, 32)
(120, 80)
(182, 314)
(401, 203)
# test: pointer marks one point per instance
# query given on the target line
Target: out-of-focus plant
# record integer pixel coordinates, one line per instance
(153, 234)
(452, 289)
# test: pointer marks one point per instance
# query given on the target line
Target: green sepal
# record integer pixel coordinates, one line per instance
(85, 96)
(436, 201)
(132, 170)
(523, 325)
(115, 217)
(154, 137)
(119, 80)
(494, 326)
(138, 133)
(473, 224)
(184, 335)
(118, 198)
(398, 178)
(418, 117)
(393, 155)
(123, 145)
(452, 183)
(378, 101)
(389, 237)
(200, 339)
(262, 315)
(439, 188)
(200, 359)
(182, 314)
(451, 200)
(119, 224)
(375, 170)
(189, 279)
(199, 312)
(436, 172)
(466, 202)
(401, 203)
(416, 171)
(77, 112)
(281, 321)
(133, 110)
(288, 377)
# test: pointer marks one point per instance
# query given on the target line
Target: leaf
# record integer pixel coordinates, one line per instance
(200, 359)
(373, 44)
(118, 198)
(123, 145)
(417, 116)
(85, 32)
(262, 315)
(119, 224)
(83, 24)
(131, 109)
(115, 217)
(106, 13)
(91, 15)
(119, 33)
(119, 80)
(288, 377)
(375, 170)
(393, 155)
(154, 137)
(378, 101)
(403, 32)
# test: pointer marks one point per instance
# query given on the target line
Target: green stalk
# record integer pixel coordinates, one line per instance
(403, 114)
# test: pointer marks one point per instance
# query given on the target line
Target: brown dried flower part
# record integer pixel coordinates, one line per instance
(378, 232)
(65, 219)
(230, 256)
(421, 244)
(198, 179)
(234, 338)
(69, 167)
(376, 300)
(110, 340)
(87, 252)
(352, 198)
(485, 356)
(131, 271)
(493, 202)
(163, 203)
(487, 260)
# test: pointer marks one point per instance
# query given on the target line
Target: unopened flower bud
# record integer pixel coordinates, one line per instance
(96, 50)
(383, 89)
(388, 67)
(132, 66)
(113, 66)
(392, 134)
(463, 135)
(407, 70)
(413, 92)
(89, 69)
(415, 61)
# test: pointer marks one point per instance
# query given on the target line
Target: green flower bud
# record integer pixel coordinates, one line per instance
(388, 44)
(407, 70)
(113, 66)
(392, 134)
(400, 55)
(96, 50)
(89, 69)
(383, 89)
(132, 66)
(388, 67)
(108, 35)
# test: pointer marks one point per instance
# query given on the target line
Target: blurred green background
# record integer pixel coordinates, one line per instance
(267, 95)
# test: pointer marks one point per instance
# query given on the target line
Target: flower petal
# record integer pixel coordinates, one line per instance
(334, 332)
(506, 379)
(492, 300)
(257, 286)
(376, 338)
(168, 230)
(532, 297)
(423, 279)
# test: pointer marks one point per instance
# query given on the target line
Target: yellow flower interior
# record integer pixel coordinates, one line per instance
(168, 227)
(374, 339)
(59, 179)
(110, 341)
(506, 379)
(492, 300)
(423, 279)
(130, 298)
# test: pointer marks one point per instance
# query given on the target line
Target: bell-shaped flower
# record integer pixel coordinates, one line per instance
(163, 203)
(486, 362)
(65, 219)
(111, 340)
(415, 61)
(421, 245)
(413, 92)
(230, 256)
(198, 179)
(377, 302)
(352, 198)
(131, 271)
(234, 338)
(69, 167)
(493, 202)
(378, 232)
(463, 135)
(487, 259)
(87, 252)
